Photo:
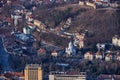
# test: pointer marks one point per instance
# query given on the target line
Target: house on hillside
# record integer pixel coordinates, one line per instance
(70, 50)
(39, 24)
(118, 43)
(41, 51)
(26, 30)
(116, 40)
(88, 56)
(24, 38)
(108, 57)
(79, 40)
(9, 2)
(9, 20)
(55, 53)
(29, 16)
(98, 55)
(29, 29)
(117, 56)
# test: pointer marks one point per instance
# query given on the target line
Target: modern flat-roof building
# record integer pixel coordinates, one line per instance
(67, 76)
(33, 72)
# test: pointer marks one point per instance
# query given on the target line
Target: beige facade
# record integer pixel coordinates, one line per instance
(98, 55)
(116, 40)
(79, 39)
(39, 24)
(108, 57)
(33, 72)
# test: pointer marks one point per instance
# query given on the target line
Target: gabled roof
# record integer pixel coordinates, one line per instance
(98, 53)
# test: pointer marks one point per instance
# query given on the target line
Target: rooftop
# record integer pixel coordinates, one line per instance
(24, 37)
(67, 73)
(33, 66)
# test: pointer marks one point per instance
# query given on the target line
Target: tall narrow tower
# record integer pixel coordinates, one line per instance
(33, 72)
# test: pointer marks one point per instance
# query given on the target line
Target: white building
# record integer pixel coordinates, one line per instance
(67, 76)
(8, 2)
(117, 56)
(16, 19)
(108, 57)
(54, 53)
(29, 29)
(98, 55)
(100, 46)
(115, 40)
(26, 30)
(29, 16)
(70, 50)
(118, 42)
(79, 40)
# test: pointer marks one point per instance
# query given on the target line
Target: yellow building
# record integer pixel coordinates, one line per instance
(33, 72)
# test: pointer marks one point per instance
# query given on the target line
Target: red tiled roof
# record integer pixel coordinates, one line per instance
(41, 50)
(98, 53)
(12, 74)
(88, 53)
(108, 55)
(9, 20)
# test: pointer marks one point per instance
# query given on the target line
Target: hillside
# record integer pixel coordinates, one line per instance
(101, 25)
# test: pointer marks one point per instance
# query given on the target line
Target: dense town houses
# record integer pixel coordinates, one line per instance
(19, 44)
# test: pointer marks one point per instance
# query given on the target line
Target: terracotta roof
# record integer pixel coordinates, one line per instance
(9, 20)
(12, 74)
(88, 53)
(108, 55)
(41, 50)
(98, 53)
(54, 51)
